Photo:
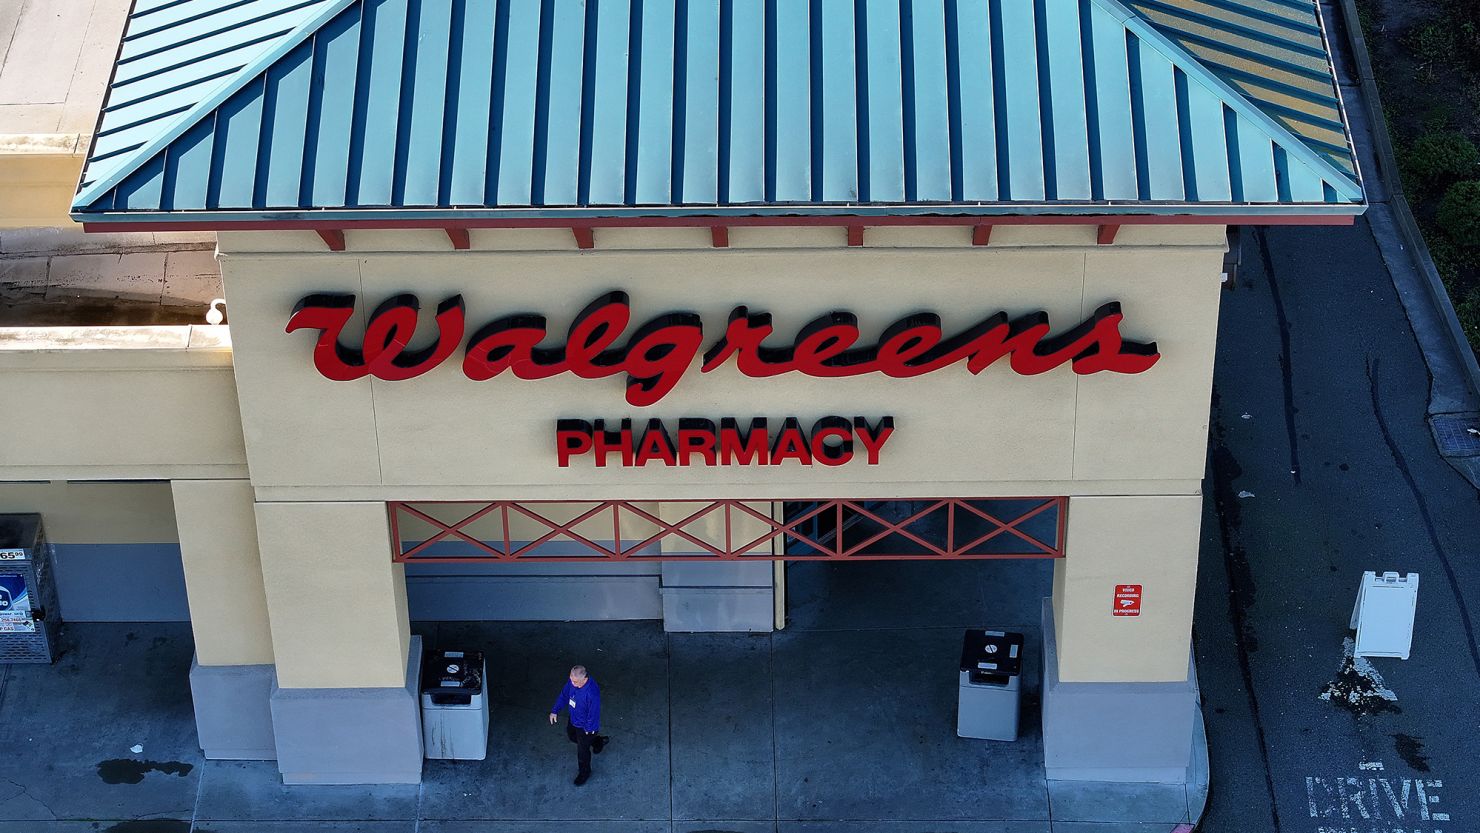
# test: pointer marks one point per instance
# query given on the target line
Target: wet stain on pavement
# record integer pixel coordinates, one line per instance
(151, 826)
(131, 771)
(1410, 749)
(1225, 469)
(1287, 374)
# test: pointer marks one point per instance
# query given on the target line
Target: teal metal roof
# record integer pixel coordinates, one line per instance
(1271, 51)
(327, 109)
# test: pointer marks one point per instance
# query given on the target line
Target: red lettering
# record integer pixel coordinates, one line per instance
(391, 328)
(658, 355)
(791, 444)
(907, 340)
(656, 445)
(572, 438)
(742, 339)
(1109, 351)
(595, 330)
(696, 436)
(824, 340)
(328, 313)
(498, 346)
(606, 442)
(744, 449)
(830, 454)
(873, 437)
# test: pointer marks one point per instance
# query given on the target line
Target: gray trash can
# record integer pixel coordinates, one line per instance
(990, 685)
(454, 705)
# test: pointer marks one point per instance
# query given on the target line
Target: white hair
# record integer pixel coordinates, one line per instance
(578, 671)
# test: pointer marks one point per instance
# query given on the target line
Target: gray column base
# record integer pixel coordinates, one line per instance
(1141, 732)
(733, 597)
(233, 711)
(351, 735)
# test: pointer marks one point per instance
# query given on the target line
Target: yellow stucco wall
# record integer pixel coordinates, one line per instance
(96, 513)
(119, 403)
(336, 603)
(40, 175)
(1150, 541)
(223, 572)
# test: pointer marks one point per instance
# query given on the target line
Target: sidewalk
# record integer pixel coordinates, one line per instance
(843, 723)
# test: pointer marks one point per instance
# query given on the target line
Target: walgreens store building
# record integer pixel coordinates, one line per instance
(614, 310)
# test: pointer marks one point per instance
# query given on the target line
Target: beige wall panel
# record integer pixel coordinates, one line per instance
(1162, 235)
(1150, 541)
(336, 603)
(301, 428)
(38, 187)
(143, 419)
(119, 403)
(1153, 423)
(96, 513)
(223, 572)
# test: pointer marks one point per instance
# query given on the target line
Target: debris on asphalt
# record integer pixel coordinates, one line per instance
(1358, 687)
(1245, 494)
(136, 748)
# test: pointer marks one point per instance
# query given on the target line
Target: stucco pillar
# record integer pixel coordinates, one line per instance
(231, 677)
(1137, 667)
(728, 596)
(343, 646)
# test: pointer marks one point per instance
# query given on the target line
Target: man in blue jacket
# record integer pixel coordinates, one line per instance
(582, 696)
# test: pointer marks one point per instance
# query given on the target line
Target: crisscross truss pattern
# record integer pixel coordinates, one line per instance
(699, 530)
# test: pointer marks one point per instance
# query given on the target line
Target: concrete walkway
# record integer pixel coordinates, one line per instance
(842, 723)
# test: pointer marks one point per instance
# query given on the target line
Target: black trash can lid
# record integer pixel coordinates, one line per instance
(452, 672)
(996, 652)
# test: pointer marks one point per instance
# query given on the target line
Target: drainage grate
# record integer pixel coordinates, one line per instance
(1458, 435)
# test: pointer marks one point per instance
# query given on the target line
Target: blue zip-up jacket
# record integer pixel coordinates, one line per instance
(584, 704)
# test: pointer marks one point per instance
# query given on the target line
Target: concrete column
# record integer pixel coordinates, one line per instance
(1137, 668)
(713, 597)
(1150, 541)
(231, 677)
(342, 641)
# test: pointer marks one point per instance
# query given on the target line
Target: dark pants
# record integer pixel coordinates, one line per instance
(584, 742)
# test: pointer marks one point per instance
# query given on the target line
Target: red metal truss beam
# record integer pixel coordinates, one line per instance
(829, 545)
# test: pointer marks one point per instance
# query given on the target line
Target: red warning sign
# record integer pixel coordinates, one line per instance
(1127, 600)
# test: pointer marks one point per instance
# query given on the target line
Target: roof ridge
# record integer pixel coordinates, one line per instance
(1149, 33)
(188, 118)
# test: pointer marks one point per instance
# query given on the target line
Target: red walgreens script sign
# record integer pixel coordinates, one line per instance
(659, 352)
(1127, 600)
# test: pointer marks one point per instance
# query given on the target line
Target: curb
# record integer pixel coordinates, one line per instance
(1398, 202)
